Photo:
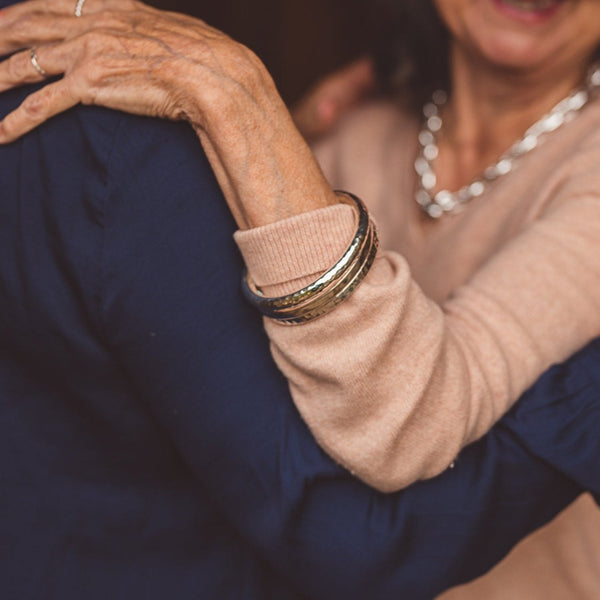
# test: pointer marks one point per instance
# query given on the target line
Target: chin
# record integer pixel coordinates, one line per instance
(506, 36)
(513, 52)
(525, 35)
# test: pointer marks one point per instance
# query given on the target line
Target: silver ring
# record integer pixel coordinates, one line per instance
(79, 7)
(36, 64)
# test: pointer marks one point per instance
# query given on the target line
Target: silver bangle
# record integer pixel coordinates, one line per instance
(329, 290)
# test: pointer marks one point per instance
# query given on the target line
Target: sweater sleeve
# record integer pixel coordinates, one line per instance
(194, 357)
(393, 385)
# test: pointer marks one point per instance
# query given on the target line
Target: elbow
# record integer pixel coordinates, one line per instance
(391, 467)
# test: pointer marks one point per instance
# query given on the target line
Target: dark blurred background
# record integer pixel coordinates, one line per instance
(298, 40)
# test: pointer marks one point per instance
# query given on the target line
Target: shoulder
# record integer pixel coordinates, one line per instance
(163, 192)
(560, 177)
(153, 158)
(575, 160)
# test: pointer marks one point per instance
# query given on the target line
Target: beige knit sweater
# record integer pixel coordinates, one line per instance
(456, 318)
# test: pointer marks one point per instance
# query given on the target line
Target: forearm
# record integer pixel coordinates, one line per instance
(393, 385)
(197, 357)
(264, 168)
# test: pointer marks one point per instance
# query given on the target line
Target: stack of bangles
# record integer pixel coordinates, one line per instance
(321, 296)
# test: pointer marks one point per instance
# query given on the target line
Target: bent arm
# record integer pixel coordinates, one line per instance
(394, 385)
(199, 359)
(162, 64)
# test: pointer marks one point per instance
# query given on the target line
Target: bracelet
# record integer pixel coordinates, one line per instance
(334, 286)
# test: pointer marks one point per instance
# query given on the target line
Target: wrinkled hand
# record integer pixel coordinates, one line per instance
(121, 54)
(321, 109)
(125, 55)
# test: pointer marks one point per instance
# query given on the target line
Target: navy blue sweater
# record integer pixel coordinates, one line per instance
(148, 446)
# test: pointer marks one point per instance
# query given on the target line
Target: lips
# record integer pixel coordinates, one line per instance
(531, 5)
(529, 10)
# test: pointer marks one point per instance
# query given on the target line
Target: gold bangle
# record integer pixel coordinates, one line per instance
(321, 296)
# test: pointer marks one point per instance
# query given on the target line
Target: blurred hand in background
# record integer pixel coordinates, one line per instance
(328, 101)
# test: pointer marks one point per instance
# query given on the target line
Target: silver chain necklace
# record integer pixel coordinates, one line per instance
(436, 204)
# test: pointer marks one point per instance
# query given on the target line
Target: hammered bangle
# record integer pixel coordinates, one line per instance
(321, 296)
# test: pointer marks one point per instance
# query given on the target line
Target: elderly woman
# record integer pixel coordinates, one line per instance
(487, 198)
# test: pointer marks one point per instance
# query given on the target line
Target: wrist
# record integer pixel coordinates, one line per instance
(265, 168)
(263, 165)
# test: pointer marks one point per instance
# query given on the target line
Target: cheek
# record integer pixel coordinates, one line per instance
(476, 25)
(512, 48)
(472, 25)
(592, 26)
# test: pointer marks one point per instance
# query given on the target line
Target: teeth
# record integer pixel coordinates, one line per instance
(531, 5)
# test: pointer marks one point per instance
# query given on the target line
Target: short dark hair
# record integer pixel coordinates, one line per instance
(411, 48)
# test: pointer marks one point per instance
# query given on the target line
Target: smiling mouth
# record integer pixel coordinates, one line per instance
(532, 6)
(529, 11)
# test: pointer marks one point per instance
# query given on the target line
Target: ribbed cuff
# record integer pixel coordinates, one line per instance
(289, 254)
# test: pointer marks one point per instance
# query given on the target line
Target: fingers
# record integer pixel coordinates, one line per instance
(99, 68)
(36, 29)
(13, 12)
(19, 68)
(41, 22)
(37, 108)
(140, 61)
(62, 7)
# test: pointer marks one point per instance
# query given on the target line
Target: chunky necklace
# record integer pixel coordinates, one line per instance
(444, 201)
